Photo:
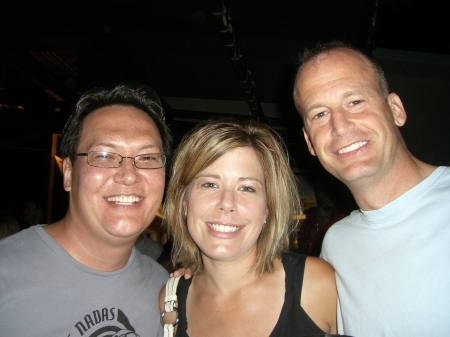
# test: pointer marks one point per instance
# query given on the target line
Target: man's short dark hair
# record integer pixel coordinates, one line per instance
(310, 54)
(139, 96)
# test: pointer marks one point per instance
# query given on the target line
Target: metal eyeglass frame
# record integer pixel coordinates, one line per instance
(163, 159)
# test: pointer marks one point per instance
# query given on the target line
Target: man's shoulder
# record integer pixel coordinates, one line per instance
(20, 241)
(345, 221)
(435, 188)
(149, 265)
(341, 229)
(149, 247)
(22, 253)
(443, 176)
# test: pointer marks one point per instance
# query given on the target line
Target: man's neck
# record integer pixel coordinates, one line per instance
(375, 193)
(94, 254)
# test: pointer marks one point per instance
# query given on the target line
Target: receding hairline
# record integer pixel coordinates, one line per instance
(120, 106)
(316, 59)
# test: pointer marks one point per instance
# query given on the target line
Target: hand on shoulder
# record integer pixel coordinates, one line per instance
(186, 272)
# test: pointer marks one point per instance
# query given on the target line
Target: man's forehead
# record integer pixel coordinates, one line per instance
(122, 110)
(117, 118)
(116, 115)
(329, 67)
(341, 61)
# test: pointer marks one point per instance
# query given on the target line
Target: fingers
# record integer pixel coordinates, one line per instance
(188, 273)
(178, 272)
(182, 271)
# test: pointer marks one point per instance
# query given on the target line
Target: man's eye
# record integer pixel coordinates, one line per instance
(320, 115)
(355, 102)
(147, 158)
(104, 155)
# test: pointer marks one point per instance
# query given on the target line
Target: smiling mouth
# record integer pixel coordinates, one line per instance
(223, 229)
(352, 147)
(124, 200)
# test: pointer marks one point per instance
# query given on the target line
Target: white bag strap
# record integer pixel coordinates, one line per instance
(170, 305)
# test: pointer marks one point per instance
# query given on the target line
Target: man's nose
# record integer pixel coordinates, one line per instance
(127, 173)
(341, 122)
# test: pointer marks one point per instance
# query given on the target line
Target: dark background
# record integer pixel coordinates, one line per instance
(51, 51)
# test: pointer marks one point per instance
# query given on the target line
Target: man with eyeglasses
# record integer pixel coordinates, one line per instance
(80, 276)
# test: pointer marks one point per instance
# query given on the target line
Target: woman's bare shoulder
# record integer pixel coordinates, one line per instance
(319, 293)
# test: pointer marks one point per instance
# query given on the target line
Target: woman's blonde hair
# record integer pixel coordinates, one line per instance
(202, 147)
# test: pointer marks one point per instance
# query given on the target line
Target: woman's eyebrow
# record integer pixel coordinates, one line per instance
(252, 179)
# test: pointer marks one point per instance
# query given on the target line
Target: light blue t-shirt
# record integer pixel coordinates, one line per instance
(393, 264)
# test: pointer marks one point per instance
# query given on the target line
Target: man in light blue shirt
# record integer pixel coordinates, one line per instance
(392, 255)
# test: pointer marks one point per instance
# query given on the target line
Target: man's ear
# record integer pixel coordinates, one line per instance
(308, 142)
(67, 174)
(397, 109)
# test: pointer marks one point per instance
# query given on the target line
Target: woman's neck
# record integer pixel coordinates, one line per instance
(229, 276)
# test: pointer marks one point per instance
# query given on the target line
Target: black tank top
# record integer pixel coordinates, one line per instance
(293, 320)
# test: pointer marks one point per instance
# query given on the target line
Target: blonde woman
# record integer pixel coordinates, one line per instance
(229, 209)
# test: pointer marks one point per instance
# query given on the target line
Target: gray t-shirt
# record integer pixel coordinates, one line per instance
(45, 292)
(149, 247)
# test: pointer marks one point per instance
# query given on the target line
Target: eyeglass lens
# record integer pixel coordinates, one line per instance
(109, 159)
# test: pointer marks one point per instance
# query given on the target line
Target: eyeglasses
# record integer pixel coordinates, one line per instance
(111, 160)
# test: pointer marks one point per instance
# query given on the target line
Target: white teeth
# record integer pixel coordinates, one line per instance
(352, 147)
(124, 200)
(223, 229)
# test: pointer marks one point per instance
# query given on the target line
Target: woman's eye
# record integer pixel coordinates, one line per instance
(355, 102)
(247, 189)
(209, 185)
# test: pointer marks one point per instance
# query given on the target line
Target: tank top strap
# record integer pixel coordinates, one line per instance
(299, 270)
(293, 320)
(182, 292)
